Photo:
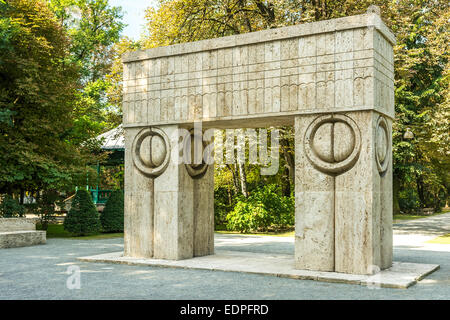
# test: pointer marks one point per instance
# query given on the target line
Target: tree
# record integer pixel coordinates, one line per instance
(177, 21)
(45, 207)
(421, 92)
(38, 83)
(82, 218)
(115, 76)
(112, 215)
(93, 27)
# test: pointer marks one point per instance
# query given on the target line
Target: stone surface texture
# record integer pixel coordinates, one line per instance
(20, 232)
(333, 80)
(21, 239)
(401, 275)
(17, 224)
(328, 66)
(170, 216)
(45, 270)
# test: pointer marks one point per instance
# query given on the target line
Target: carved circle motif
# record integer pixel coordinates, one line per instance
(382, 143)
(151, 151)
(333, 143)
(195, 170)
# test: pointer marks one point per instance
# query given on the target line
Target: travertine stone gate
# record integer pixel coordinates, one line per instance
(332, 80)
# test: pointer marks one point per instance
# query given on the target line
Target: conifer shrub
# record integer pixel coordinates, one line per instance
(10, 207)
(83, 217)
(112, 215)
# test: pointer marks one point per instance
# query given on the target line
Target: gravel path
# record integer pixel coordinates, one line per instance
(40, 272)
(431, 226)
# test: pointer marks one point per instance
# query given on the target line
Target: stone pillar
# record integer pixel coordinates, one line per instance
(169, 205)
(139, 203)
(314, 208)
(343, 190)
(204, 214)
(384, 166)
(174, 208)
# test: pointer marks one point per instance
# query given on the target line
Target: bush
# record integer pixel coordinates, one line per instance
(45, 207)
(408, 201)
(10, 207)
(263, 209)
(439, 200)
(112, 215)
(222, 207)
(82, 218)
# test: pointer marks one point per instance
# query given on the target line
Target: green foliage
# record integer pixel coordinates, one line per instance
(248, 216)
(82, 218)
(37, 92)
(224, 195)
(45, 207)
(221, 207)
(10, 207)
(265, 208)
(6, 116)
(112, 176)
(54, 58)
(113, 213)
(115, 76)
(409, 201)
(421, 166)
(93, 27)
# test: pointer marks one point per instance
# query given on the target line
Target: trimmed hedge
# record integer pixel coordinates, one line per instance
(112, 215)
(83, 217)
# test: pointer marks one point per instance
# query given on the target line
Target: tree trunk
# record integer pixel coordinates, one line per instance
(421, 190)
(44, 225)
(395, 191)
(287, 184)
(235, 179)
(22, 196)
(290, 161)
(243, 179)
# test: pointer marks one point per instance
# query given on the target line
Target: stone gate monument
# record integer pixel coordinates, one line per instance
(332, 80)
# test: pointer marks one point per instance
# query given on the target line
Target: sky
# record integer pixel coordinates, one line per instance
(134, 12)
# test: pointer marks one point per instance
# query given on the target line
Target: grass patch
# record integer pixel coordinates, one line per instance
(57, 231)
(291, 233)
(445, 239)
(400, 217)
(273, 234)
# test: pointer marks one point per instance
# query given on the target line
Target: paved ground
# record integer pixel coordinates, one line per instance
(431, 226)
(40, 272)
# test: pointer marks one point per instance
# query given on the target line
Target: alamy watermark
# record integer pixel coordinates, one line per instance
(229, 146)
(74, 279)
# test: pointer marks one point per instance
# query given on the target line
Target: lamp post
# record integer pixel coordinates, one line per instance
(408, 135)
